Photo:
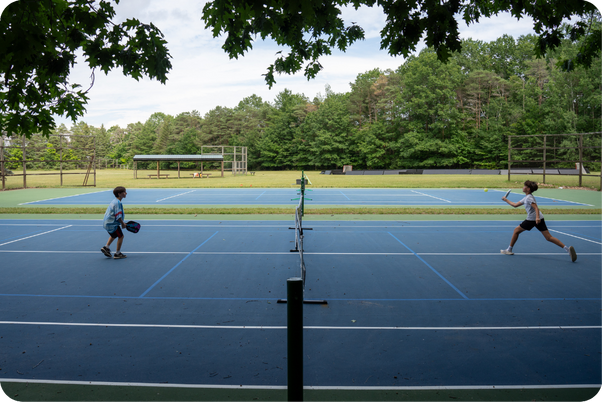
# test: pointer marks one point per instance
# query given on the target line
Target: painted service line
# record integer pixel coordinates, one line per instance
(260, 195)
(442, 199)
(39, 234)
(306, 387)
(177, 195)
(284, 327)
(577, 237)
(67, 196)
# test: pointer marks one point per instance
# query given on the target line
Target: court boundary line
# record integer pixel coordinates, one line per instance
(254, 299)
(306, 387)
(285, 253)
(432, 196)
(577, 237)
(177, 195)
(311, 327)
(67, 196)
(39, 234)
(287, 222)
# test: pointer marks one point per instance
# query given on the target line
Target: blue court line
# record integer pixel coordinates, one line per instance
(176, 266)
(253, 299)
(344, 195)
(432, 268)
(260, 195)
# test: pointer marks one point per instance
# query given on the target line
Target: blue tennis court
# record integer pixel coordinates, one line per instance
(320, 196)
(410, 304)
(276, 196)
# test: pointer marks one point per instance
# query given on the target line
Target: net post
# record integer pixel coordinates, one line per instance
(295, 339)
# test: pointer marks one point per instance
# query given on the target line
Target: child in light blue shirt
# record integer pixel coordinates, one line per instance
(114, 222)
(535, 218)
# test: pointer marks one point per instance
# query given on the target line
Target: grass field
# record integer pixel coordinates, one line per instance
(109, 178)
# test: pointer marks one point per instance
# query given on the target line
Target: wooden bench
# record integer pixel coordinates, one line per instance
(200, 175)
(158, 176)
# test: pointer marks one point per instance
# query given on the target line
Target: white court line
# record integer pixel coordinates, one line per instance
(284, 327)
(577, 237)
(67, 196)
(39, 234)
(486, 224)
(177, 195)
(442, 199)
(307, 387)
(278, 253)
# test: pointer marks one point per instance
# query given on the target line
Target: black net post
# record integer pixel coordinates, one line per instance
(295, 339)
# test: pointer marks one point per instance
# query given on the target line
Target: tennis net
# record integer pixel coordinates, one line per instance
(299, 239)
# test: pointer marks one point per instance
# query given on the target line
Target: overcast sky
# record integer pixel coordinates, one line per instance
(203, 76)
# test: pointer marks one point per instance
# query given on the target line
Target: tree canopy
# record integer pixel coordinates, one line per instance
(39, 40)
(312, 28)
(425, 114)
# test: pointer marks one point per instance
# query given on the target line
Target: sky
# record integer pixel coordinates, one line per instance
(203, 77)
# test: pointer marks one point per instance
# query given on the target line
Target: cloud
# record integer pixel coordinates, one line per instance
(203, 77)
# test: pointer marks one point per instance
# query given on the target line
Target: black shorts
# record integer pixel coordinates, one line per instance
(528, 225)
(117, 233)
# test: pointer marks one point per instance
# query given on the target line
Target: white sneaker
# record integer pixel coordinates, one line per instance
(507, 252)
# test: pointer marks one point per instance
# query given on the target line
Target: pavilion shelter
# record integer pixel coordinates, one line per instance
(177, 158)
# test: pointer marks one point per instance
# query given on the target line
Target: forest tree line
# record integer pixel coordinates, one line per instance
(425, 114)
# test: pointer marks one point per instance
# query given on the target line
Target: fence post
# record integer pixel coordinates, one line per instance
(61, 158)
(544, 162)
(580, 157)
(509, 160)
(24, 165)
(2, 170)
(295, 339)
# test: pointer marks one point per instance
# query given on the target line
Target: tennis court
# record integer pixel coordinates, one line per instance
(319, 196)
(195, 305)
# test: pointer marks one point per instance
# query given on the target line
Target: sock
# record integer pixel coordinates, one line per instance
(566, 248)
(509, 248)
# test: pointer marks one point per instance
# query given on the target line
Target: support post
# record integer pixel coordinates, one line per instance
(222, 168)
(544, 163)
(61, 158)
(157, 170)
(2, 170)
(295, 339)
(24, 164)
(581, 166)
(94, 160)
(509, 161)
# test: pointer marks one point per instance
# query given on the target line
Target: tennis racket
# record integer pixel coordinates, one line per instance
(133, 227)
(507, 194)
